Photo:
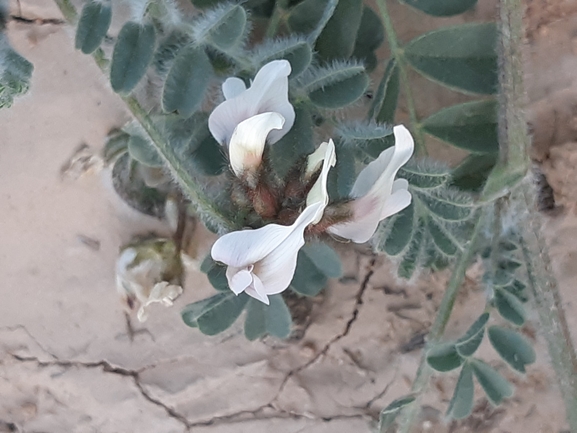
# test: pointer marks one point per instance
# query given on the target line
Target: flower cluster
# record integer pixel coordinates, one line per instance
(262, 262)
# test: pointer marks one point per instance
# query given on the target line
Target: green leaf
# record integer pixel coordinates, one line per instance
(512, 347)
(129, 184)
(294, 146)
(471, 126)
(447, 204)
(342, 176)
(370, 36)
(368, 140)
(517, 289)
(316, 263)
(444, 357)
(496, 387)
(470, 342)
(93, 25)
(335, 86)
(388, 414)
(15, 74)
(425, 174)
(215, 314)
(116, 146)
(142, 150)
(385, 101)
(223, 28)
(441, 8)
(202, 4)
(310, 17)
(461, 404)
(402, 229)
(296, 50)
(443, 238)
(337, 40)
(412, 255)
(509, 307)
(132, 55)
(187, 81)
(216, 273)
(168, 48)
(308, 279)
(274, 319)
(196, 147)
(472, 173)
(462, 57)
(324, 258)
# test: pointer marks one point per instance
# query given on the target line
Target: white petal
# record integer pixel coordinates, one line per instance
(318, 192)
(277, 269)
(366, 217)
(315, 159)
(248, 141)
(378, 176)
(232, 87)
(164, 293)
(398, 200)
(247, 247)
(238, 280)
(268, 93)
(257, 291)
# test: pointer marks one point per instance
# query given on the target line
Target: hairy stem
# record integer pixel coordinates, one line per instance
(546, 300)
(397, 53)
(187, 182)
(442, 318)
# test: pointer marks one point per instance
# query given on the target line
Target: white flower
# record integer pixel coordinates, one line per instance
(248, 117)
(376, 193)
(140, 275)
(262, 262)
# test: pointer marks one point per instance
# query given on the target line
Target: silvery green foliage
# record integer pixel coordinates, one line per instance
(15, 73)
(192, 54)
(434, 228)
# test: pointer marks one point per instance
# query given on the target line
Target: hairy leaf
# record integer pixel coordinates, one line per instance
(512, 347)
(441, 8)
(94, 22)
(496, 387)
(461, 404)
(462, 57)
(132, 54)
(470, 126)
(337, 40)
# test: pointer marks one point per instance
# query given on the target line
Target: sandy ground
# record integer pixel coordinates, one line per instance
(71, 361)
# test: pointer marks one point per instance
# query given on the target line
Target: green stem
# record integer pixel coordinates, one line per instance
(187, 182)
(546, 300)
(276, 18)
(442, 318)
(397, 53)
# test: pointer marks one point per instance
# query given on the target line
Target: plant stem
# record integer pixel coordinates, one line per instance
(397, 53)
(187, 182)
(546, 300)
(442, 318)
(275, 19)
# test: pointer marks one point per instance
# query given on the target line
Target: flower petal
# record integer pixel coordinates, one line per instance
(318, 192)
(277, 269)
(238, 279)
(268, 93)
(257, 291)
(366, 217)
(232, 87)
(248, 141)
(378, 176)
(398, 200)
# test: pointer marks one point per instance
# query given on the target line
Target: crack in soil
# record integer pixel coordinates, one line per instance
(344, 333)
(109, 368)
(37, 21)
